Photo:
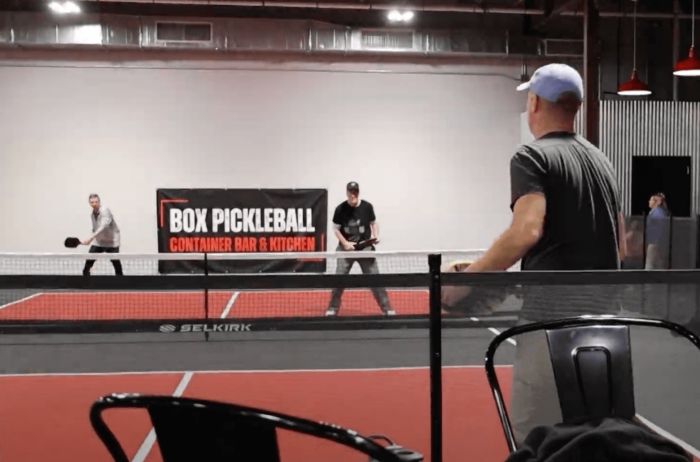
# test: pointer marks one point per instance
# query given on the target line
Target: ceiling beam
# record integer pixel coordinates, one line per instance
(570, 5)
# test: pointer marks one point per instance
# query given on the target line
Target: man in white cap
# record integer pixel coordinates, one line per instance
(566, 216)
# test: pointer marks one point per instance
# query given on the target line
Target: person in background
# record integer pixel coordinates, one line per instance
(105, 235)
(354, 221)
(567, 215)
(656, 298)
(657, 233)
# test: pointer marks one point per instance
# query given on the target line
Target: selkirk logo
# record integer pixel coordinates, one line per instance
(206, 328)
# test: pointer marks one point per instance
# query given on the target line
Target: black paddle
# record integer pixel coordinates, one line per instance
(72, 242)
(364, 244)
(479, 299)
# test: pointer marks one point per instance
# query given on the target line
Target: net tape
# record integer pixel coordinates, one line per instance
(388, 262)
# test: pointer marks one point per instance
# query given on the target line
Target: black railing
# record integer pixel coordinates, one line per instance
(433, 320)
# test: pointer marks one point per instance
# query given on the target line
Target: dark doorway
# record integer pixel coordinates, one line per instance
(669, 175)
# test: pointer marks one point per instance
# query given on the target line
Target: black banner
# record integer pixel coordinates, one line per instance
(242, 221)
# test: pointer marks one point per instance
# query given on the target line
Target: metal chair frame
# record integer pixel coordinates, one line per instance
(602, 325)
(345, 437)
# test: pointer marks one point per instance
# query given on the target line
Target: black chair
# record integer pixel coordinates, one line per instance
(592, 362)
(197, 430)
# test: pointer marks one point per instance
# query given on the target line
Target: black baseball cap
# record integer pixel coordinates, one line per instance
(352, 186)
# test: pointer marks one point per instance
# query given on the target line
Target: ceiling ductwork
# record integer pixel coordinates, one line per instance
(416, 6)
(37, 30)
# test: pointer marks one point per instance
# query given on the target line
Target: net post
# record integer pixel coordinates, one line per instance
(670, 264)
(644, 258)
(434, 263)
(697, 241)
(206, 293)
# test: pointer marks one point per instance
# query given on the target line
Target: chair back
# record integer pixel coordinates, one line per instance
(592, 363)
(187, 434)
(593, 372)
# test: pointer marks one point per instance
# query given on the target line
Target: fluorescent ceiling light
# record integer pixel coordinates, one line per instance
(64, 7)
(398, 16)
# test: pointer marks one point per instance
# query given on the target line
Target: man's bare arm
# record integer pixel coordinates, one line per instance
(375, 230)
(524, 232)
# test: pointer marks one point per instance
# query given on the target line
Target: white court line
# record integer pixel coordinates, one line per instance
(20, 300)
(495, 331)
(147, 444)
(199, 292)
(86, 292)
(251, 371)
(669, 436)
(229, 305)
(645, 421)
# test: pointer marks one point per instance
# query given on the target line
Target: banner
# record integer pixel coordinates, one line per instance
(242, 221)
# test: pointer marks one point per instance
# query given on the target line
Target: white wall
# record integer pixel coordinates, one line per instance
(430, 151)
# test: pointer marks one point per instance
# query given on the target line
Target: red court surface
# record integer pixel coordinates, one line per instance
(315, 303)
(190, 305)
(45, 417)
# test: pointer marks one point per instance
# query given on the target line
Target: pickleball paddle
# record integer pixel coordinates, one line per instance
(364, 244)
(456, 266)
(72, 242)
(479, 299)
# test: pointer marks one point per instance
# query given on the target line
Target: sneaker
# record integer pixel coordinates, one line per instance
(331, 313)
(391, 313)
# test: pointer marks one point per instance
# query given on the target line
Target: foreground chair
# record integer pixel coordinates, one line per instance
(197, 430)
(592, 362)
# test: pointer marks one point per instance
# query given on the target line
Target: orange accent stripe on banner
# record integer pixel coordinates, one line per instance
(162, 201)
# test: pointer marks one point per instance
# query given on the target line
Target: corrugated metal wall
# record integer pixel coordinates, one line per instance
(649, 128)
(644, 128)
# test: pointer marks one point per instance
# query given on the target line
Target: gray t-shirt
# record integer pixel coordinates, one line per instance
(105, 229)
(581, 222)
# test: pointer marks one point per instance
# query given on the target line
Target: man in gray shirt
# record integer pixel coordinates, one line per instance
(567, 216)
(105, 234)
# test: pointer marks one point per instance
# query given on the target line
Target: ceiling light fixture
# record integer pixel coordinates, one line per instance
(690, 66)
(634, 86)
(397, 16)
(64, 7)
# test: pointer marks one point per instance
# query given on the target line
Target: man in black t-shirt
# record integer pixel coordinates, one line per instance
(354, 222)
(566, 216)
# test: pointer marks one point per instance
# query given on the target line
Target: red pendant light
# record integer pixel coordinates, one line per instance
(634, 86)
(690, 66)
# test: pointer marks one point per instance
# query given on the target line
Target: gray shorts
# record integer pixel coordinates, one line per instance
(534, 400)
